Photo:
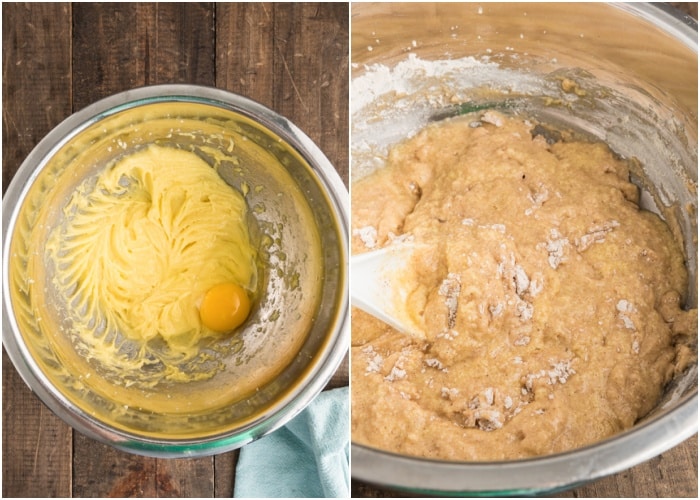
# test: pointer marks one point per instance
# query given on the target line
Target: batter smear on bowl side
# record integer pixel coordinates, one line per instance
(551, 303)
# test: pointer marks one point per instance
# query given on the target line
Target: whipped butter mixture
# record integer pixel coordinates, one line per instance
(139, 247)
(551, 303)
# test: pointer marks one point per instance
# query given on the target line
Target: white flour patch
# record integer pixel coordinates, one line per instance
(390, 104)
(368, 235)
(624, 310)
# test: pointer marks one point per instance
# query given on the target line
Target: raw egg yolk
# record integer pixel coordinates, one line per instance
(224, 307)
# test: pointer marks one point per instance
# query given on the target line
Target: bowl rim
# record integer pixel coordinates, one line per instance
(543, 474)
(556, 472)
(291, 401)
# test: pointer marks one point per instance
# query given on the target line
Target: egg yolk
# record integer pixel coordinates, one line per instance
(224, 307)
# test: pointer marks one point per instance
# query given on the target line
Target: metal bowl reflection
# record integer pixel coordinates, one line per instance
(637, 67)
(296, 336)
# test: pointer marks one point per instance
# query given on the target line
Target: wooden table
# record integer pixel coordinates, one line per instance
(58, 58)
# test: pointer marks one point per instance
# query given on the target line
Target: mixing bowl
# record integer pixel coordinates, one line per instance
(238, 387)
(625, 74)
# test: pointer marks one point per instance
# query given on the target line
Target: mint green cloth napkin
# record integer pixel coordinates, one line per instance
(307, 458)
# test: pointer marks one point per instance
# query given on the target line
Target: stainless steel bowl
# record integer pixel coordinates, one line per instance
(296, 335)
(631, 73)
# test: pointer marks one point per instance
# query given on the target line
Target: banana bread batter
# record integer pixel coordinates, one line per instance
(551, 303)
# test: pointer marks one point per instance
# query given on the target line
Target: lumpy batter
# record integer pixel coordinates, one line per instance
(139, 247)
(550, 302)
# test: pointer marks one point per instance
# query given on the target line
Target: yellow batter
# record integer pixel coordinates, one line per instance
(139, 248)
(550, 302)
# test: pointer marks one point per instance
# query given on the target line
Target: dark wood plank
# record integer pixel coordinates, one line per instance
(244, 50)
(293, 58)
(181, 46)
(125, 45)
(117, 47)
(313, 77)
(102, 471)
(185, 477)
(224, 474)
(35, 41)
(36, 447)
(108, 54)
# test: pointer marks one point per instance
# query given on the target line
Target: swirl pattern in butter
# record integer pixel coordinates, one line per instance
(139, 246)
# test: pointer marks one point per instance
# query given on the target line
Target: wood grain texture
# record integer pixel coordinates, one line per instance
(310, 73)
(36, 41)
(244, 50)
(36, 77)
(292, 58)
(36, 444)
(122, 46)
(59, 58)
(224, 474)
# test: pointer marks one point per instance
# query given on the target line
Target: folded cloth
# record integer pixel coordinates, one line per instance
(307, 458)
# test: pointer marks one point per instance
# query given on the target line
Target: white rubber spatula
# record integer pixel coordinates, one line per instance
(376, 286)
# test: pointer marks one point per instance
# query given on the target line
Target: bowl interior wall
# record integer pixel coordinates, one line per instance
(295, 223)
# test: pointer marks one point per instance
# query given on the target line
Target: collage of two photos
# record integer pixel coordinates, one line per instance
(335, 250)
